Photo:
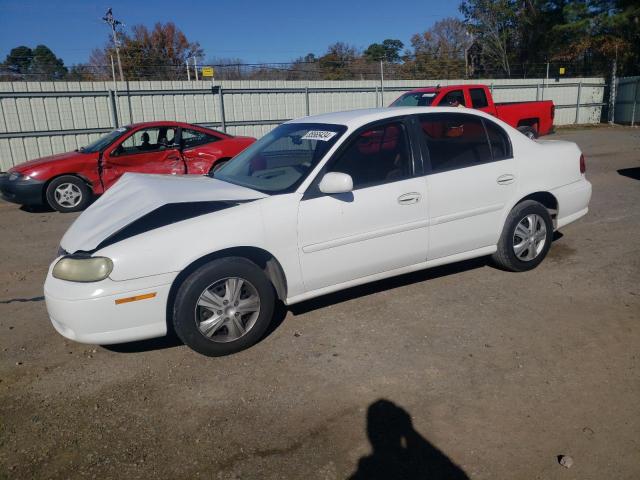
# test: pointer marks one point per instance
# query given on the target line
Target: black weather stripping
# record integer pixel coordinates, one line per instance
(165, 215)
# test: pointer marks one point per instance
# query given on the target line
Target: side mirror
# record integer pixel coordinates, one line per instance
(336, 182)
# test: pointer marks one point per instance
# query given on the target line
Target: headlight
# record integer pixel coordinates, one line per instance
(13, 176)
(83, 269)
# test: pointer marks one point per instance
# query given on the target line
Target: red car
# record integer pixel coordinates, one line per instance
(531, 118)
(67, 182)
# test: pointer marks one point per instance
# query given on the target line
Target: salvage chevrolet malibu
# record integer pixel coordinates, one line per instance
(317, 205)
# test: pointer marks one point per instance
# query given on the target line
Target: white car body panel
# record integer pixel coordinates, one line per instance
(322, 244)
(339, 235)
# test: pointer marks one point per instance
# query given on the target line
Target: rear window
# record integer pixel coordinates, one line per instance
(455, 141)
(499, 141)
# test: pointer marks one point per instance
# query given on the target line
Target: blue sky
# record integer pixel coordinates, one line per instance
(253, 30)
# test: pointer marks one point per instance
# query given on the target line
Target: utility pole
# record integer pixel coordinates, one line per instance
(381, 84)
(195, 66)
(113, 23)
(186, 62)
(612, 90)
(113, 73)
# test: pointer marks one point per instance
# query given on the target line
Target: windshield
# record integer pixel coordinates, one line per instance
(416, 99)
(280, 161)
(104, 141)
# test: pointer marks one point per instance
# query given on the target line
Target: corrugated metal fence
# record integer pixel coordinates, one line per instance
(44, 118)
(627, 107)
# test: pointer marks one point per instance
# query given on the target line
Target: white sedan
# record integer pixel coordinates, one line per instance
(319, 204)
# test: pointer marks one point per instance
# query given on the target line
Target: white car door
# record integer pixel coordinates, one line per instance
(472, 179)
(381, 225)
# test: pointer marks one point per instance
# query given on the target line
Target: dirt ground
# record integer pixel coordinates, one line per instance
(458, 372)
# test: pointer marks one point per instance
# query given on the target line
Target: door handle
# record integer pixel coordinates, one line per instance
(409, 198)
(506, 179)
(173, 158)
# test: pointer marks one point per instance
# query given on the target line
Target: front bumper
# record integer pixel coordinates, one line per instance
(88, 312)
(22, 190)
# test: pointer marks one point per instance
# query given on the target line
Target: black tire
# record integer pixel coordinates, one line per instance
(528, 132)
(76, 185)
(186, 305)
(505, 257)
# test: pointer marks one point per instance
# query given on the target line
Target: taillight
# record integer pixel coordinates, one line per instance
(583, 165)
(553, 111)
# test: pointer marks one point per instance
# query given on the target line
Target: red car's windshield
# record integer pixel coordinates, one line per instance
(104, 141)
(415, 99)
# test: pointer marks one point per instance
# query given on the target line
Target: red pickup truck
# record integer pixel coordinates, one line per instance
(531, 118)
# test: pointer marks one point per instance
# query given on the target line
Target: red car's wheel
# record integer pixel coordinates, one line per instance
(68, 194)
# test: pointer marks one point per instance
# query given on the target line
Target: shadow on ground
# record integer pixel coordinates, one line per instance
(399, 451)
(37, 209)
(630, 172)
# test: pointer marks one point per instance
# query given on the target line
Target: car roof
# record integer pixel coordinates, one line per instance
(357, 118)
(169, 123)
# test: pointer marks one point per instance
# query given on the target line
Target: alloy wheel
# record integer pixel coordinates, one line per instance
(227, 309)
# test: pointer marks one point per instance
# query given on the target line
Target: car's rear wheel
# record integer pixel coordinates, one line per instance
(223, 307)
(68, 194)
(526, 237)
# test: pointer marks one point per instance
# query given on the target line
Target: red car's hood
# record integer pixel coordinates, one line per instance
(60, 157)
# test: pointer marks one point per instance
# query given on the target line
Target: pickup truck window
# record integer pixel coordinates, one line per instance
(455, 140)
(376, 156)
(453, 99)
(478, 98)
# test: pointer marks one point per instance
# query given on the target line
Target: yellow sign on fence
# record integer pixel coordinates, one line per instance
(562, 70)
(207, 72)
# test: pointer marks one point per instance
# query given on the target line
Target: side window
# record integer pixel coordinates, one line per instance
(193, 138)
(478, 98)
(455, 140)
(147, 140)
(453, 99)
(376, 156)
(499, 141)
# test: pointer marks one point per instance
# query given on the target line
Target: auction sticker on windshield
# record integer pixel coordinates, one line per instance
(322, 135)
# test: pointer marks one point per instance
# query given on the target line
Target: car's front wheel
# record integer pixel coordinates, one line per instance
(223, 307)
(526, 237)
(68, 194)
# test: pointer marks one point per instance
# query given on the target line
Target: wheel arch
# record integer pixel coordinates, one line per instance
(264, 259)
(548, 200)
(217, 161)
(530, 122)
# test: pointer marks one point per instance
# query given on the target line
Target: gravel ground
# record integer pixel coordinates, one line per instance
(463, 371)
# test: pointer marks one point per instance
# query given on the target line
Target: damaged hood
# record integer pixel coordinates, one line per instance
(136, 195)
